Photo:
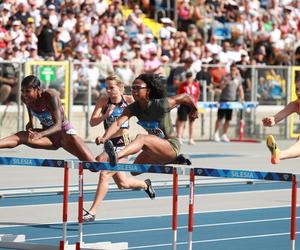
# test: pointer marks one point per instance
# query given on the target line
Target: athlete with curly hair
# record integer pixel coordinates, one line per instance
(152, 108)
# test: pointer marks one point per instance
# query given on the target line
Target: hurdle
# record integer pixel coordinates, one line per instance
(125, 167)
(244, 174)
(18, 242)
(230, 105)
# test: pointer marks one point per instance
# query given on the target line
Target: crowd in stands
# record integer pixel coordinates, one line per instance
(100, 39)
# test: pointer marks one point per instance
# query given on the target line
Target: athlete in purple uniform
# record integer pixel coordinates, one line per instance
(56, 131)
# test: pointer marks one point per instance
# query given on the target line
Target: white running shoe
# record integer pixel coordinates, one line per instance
(217, 137)
(224, 138)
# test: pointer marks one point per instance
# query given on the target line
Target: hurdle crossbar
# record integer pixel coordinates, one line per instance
(137, 168)
(31, 162)
(243, 174)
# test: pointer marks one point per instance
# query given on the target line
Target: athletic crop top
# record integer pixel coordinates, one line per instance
(43, 114)
(117, 112)
(156, 118)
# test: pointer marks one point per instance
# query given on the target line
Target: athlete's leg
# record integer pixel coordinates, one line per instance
(277, 154)
(76, 146)
(120, 179)
(160, 149)
(22, 137)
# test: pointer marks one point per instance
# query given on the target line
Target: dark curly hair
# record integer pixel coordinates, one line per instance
(154, 83)
(31, 81)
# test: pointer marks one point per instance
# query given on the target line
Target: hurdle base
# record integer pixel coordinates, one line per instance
(11, 241)
(102, 246)
(245, 140)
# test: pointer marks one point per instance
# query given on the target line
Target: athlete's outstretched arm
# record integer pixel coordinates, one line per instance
(272, 120)
(114, 128)
(183, 99)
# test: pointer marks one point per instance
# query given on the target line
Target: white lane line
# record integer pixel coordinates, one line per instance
(169, 228)
(215, 240)
(159, 198)
(159, 215)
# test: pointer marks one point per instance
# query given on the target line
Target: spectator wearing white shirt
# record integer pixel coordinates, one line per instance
(101, 7)
(16, 33)
(148, 46)
(165, 31)
(53, 17)
(70, 20)
(212, 46)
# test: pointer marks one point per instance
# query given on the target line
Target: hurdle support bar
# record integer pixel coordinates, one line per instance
(175, 208)
(63, 243)
(293, 213)
(80, 207)
(191, 209)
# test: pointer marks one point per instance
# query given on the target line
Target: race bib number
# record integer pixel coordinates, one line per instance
(44, 117)
(117, 112)
(152, 128)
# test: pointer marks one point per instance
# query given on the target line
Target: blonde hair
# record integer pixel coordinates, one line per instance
(117, 80)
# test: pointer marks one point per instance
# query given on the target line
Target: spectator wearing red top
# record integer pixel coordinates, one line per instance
(191, 87)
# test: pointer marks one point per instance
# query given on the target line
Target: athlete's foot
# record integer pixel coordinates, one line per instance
(275, 151)
(150, 190)
(110, 150)
(88, 217)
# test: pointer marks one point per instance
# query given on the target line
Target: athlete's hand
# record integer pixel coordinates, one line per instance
(194, 114)
(33, 135)
(100, 140)
(268, 121)
(29, 126)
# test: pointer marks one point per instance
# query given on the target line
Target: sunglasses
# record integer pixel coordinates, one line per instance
(137, 88)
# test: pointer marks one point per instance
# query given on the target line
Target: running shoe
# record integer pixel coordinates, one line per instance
(110, 150)
(149, 190)
(88, 217)
(182, 160)
(275, 151)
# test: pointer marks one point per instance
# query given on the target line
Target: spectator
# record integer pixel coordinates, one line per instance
(217, 73)
(124, 72)
(5, 37)
(153, 64)
(103, 38)
(204, 79)
(8, 79)
(230, 85)
(137, 63)
(134, 21)
(185, 14)
(33, 55)
(166, 31)
(179, 74)
(191, 87)
(22, 13)
(104, 65)
(148, 46)
(45, 39)
(53, 18)
(16, 33)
